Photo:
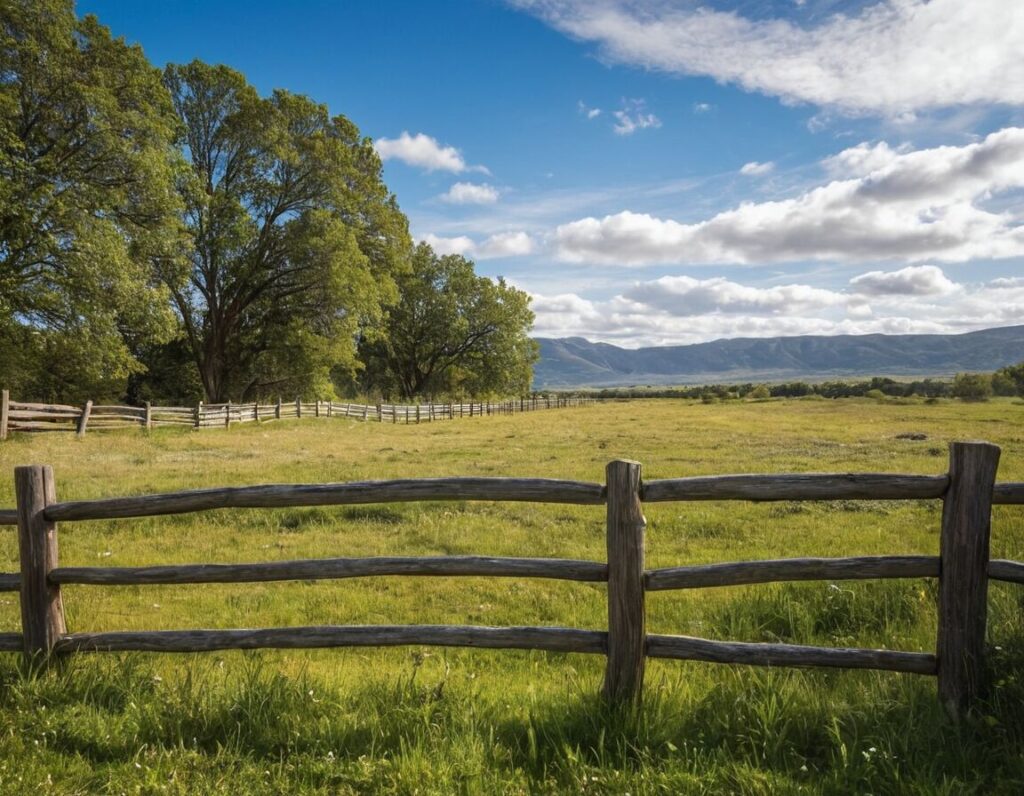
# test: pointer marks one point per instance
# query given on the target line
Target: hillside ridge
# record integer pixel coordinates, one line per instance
(578, 362)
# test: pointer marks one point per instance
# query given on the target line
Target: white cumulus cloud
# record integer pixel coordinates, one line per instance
(911, 206)
(755, 169)
(505, 244)
(679, 310)
(892, 57)
(684, 296)
(423, 151)
(633, 116)
(460, 244)
(501, 244)
(914, 280)
(468, 193)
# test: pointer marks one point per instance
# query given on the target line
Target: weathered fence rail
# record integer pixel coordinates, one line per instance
(962, 567)
(17, 416)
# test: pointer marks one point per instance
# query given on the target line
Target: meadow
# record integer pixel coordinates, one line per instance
(429, 720)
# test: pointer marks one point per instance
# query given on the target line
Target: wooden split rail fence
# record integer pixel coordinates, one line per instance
(17, 416)
(963, 568)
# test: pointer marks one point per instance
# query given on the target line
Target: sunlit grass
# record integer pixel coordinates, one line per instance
(440, 721)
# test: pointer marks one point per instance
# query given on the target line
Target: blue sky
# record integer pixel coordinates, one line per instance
(669, 172)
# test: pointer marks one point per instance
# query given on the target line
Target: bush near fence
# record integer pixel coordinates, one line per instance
(962, 567)
(19, 416)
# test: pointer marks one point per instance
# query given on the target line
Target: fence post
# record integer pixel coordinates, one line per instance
(963, 579)
(316, 412)
(199, 415)
(624, 672)
(83, 419)
(5, 411)
(42, 613)
(227, 414)
(298, 406)
(148, 422)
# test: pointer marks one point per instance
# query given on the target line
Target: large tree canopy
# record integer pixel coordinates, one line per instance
(88, 210)
(453, 332)
(296, 239)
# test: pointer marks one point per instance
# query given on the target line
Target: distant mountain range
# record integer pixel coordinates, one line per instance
(576, 362)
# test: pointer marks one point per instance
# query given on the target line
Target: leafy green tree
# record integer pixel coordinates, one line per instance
(453, 332)
(972, 386)
(1009, 380)
(760, 393)
(88, 212)
(295, 238)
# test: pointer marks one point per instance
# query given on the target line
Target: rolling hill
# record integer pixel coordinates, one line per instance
(576, 362)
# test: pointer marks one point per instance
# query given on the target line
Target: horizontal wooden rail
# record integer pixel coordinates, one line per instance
(12, 642)
(536, 490)
(15, 416)
(552, 639)
(48, 414)
(8, 516)
(798, 486)
(32, 426)
(1009, 571)
(10, 581)
(1009, 492)
(698, 649)
(786, 569)
(332, 568)
(45, 407)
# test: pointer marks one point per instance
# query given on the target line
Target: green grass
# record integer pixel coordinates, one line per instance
(448, 721)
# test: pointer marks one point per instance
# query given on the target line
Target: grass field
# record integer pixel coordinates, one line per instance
(468, 721)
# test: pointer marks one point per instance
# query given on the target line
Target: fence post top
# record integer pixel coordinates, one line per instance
(973, 444)
(27, 468)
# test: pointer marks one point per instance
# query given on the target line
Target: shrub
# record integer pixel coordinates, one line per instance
(972, 386)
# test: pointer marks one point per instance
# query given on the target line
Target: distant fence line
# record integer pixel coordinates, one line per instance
(962, 567)
(20, 416)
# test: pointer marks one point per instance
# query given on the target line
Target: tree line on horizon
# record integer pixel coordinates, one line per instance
(1005, 382)
(171, 235)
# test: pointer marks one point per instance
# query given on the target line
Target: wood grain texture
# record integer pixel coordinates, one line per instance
(1010, 492)
(10, 581)
(788, 569)
(8, 516)
(963, 586)
(35, 414)
(538, 490)
(42, 613)
(1009, 571)
(554, 639)
(333, 568)
(798, 486)
(624, 672)
(688, 648)
(45, 407)
(83, 421)
(31, 426)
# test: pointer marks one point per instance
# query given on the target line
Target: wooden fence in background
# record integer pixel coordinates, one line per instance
(18, 416)
(963, 568)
